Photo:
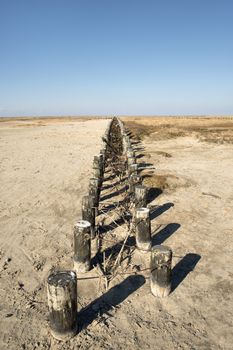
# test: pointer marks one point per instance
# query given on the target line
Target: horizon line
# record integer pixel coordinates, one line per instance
(118, 115)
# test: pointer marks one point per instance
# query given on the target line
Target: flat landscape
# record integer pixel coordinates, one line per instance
(187, 164)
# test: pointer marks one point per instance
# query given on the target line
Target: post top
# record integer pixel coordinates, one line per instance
(161, 249)
(142, 213)
(82, 223)
(143, 210)
(61, 278)
(140, 186)
(134, 176)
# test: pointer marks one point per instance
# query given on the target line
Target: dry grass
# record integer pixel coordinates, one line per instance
(167, 182)
(157, 181)
(214, 130)
(162, 154)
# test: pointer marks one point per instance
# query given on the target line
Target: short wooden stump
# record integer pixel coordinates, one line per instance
(161, 260)
(62, 303)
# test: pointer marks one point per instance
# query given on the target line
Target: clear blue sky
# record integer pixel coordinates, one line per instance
(75, 57)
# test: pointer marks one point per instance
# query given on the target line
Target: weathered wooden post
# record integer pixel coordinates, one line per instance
(161, 260)
(140, 196)
(94, 189)
(127, 139)
(130, 161)
(98, 169)
(89, 213)
(82, 246)
(133, 169)
(143, 229)
(98, 164)
(131, 154)
(103, 154)
(125, 145)
(62, 303)
(133, 181)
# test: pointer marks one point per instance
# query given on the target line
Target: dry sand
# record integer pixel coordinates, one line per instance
(45, 168)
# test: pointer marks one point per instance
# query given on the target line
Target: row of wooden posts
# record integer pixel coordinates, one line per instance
(62, 285)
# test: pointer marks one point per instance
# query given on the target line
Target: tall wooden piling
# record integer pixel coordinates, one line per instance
(89, 213)
(143, 229)
(161, 260)
(94, 189)
(62, 303)
(103, 154)
(98, 168)
(82, 246)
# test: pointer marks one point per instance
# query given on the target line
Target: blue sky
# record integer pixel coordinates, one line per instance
(79, 57)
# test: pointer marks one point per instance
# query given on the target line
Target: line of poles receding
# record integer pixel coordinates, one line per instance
(62, 284)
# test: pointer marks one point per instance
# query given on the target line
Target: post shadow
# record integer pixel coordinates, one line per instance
(139, 156)
(149, 174)
(144, 168)
(139, 148)
(115, 296)
(183, 268)
(110, 177)
(136, 142)
(106, 187)
(115, 193)
(145, 165)
(160, 210)
(107, 170)
(153, 193)
(165, 233)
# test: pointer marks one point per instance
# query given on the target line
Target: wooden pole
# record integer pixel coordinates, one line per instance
(96, 173)
(143, 229)
(94, 189)
(130, 161)
(82, 246)
(140, 196)
(103, 154)
(133, 181)
(133, 169)
(93, 204)
(131, 154)
(89, 213)
(125, 144)
(98, 163)
(62, 303)
(161, 260)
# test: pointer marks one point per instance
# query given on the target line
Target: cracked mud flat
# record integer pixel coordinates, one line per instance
(45, 168)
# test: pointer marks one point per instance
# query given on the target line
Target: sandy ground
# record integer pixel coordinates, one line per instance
(45, 168)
